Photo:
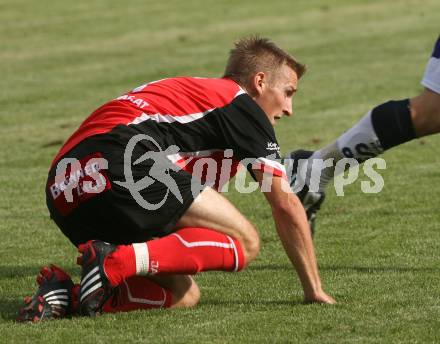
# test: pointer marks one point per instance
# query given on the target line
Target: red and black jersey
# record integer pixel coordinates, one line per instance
(203, 117)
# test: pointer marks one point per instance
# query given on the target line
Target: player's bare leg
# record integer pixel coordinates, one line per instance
(425, 113)
(387, 125)
(208, 211)
(212, 210)
(211, 235)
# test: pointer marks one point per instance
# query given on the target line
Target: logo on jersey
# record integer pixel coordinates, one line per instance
(140, 103)
(273, 146)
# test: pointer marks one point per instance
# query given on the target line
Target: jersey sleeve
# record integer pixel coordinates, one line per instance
(244, 128)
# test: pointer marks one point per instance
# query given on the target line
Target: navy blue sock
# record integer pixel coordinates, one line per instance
(392, 123)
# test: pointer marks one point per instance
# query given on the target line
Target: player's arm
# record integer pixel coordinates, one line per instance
(293, 230)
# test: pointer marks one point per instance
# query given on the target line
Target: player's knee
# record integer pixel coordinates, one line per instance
(186, 292)
(191, 298)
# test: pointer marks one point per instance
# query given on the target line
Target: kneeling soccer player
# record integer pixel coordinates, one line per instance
(126, 189)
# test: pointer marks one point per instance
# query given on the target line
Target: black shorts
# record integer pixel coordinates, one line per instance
(103, 206)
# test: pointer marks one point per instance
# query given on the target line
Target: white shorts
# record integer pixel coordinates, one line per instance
(431, 79)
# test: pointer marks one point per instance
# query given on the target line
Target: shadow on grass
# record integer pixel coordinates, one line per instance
(16, 277)
(9, 309)
(10, 304)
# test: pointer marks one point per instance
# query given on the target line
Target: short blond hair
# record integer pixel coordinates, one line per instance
(255, 54)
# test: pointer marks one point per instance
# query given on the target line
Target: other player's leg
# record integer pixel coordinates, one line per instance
(385, 126)
(425, 113)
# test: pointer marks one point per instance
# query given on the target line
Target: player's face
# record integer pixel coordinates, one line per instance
(275, 98)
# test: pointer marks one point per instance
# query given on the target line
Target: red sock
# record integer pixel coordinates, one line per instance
(138, 292)
(187, 251)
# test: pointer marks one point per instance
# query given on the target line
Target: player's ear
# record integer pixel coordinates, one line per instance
(259, 82)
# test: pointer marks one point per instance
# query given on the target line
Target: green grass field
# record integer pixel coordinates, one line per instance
(379, 255)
